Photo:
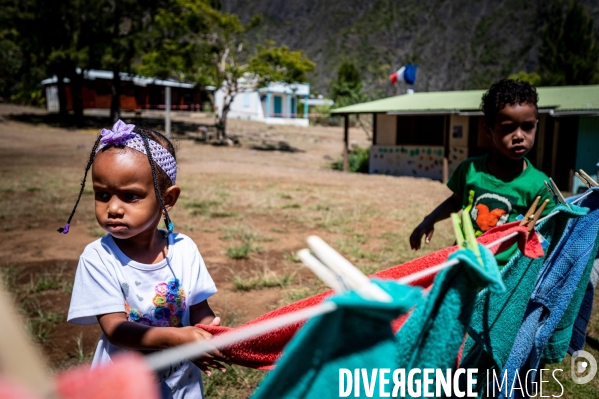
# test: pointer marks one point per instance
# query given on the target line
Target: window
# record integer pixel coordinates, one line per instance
(246, 100)
(420, 130)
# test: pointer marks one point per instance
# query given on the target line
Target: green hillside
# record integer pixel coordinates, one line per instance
(458, 44)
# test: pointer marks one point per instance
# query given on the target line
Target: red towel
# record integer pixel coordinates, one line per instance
(261, 352)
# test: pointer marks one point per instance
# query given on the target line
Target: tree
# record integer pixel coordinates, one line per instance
(198, 42)
(54, 38)
(533, 78)
(123, 32)
(347, 88)
(569, 53)
(11, 59)
(67, 37)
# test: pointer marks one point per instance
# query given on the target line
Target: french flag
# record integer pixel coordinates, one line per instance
(406, 74)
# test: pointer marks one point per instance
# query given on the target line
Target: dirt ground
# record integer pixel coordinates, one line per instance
(248, 210)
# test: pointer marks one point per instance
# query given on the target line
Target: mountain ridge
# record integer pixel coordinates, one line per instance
(457, 44)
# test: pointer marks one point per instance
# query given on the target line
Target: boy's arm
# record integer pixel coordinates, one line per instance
(427, 226)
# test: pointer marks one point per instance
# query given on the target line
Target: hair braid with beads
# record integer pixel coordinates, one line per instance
(167, 220)
(90, 161)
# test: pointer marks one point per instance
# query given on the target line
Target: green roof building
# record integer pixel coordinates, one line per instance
(428, 134)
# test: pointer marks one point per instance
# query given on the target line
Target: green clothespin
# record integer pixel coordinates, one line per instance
(464, 234)
(457, 229)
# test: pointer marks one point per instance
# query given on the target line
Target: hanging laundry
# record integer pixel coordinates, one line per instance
(550, 313)
(358, 336)
(263, 351)
(434, 332)
(497, 317)
(579, 332)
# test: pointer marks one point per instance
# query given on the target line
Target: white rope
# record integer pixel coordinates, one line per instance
(164, 359)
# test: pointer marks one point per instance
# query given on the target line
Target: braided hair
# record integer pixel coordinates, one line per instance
(161, 180)
(167, 220)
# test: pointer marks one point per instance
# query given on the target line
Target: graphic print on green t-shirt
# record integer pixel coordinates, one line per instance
(488, 209)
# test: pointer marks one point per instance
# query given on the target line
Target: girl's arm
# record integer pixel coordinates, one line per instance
(202, 314)
(129, 335)
(427, 227)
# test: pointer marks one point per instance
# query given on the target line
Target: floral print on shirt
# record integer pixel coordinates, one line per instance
(169, 302)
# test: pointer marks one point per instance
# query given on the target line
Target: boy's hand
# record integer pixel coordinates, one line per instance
(426, 228)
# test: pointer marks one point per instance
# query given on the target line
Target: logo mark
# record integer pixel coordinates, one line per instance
(589, 363)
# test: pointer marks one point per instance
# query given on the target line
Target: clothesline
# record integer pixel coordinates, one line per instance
(161, 360)
(432, 270)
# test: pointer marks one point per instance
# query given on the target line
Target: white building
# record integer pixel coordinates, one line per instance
(278, 103)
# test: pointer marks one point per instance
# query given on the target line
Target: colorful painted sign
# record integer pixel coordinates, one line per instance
(417, 161)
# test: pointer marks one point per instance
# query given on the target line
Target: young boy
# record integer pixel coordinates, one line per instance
(495, 188)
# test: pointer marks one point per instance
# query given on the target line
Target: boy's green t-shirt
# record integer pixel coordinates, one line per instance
(492, 202)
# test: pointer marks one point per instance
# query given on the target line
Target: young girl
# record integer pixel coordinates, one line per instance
(145, 287)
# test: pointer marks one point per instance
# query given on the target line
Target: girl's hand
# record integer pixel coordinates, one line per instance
(210, 359)
(427, 229)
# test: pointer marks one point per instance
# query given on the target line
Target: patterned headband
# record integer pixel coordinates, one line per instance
(123, 134)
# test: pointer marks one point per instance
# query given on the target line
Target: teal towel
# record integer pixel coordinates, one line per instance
(432, 336)
(356, 335)
(497, 318)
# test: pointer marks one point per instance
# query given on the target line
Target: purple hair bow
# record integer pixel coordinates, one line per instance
(118, 135)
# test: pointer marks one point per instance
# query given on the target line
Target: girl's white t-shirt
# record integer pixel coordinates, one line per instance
(107, 281)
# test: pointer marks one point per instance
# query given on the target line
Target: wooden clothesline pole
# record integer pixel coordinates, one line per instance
(20, 360)
(345, 143)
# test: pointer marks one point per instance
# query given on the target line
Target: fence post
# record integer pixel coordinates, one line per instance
(346, 143)
(167, 117)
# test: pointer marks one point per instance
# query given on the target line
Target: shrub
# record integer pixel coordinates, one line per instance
(359, 159)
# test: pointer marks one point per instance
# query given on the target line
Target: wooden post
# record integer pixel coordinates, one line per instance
(20, 360)
(167, 109)
(374, 129)
(554, 149)
(541, 133)
(446, 126)
(346, 143)
(445, 170)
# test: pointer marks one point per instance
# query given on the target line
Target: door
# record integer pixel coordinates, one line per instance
(278, 106)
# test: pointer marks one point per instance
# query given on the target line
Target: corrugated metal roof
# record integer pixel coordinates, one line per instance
(92, 74)
(564, 98)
